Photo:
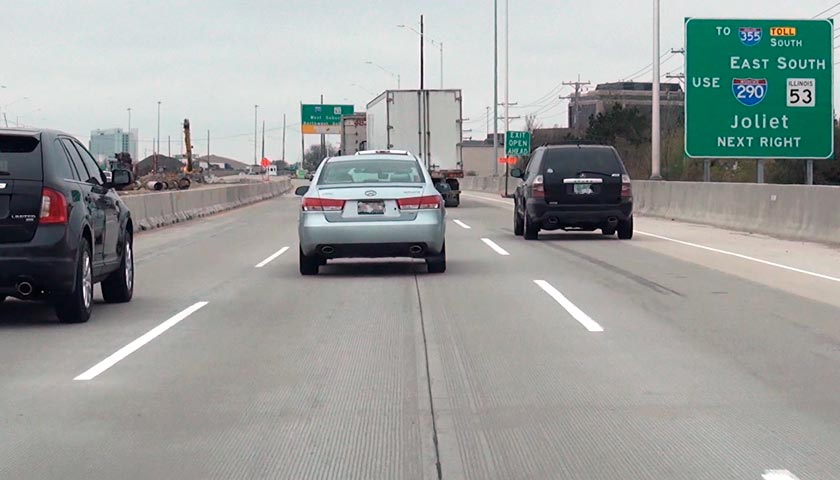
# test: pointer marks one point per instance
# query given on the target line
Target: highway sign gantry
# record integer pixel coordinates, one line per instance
(759, 88)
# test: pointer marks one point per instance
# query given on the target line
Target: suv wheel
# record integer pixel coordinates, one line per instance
(119, 286)
(625, 229)
(531, 231)
(518, 223)
(75, 307)
(437, 264)
(309, 264)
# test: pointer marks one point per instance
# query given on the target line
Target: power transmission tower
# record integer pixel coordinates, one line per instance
(578, 84)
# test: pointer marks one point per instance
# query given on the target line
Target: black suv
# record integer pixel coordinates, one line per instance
(63, 228)
(573, 187)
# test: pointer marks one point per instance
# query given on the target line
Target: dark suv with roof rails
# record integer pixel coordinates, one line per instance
(573, 187)
(63, 228)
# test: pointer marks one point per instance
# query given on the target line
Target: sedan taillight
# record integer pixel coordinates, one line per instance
(538, 187)
(430, 202)
(321, 205)
(53, 207)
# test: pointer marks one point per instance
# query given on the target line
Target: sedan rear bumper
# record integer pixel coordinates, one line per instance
(372, 239)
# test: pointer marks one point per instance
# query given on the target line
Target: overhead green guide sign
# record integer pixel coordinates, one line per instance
(759, 88)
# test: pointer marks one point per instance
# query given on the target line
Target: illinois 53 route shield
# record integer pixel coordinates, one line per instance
(759, 88)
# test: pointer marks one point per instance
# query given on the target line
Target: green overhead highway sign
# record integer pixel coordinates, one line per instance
(518, 144)
(759, 88)
(323, 118)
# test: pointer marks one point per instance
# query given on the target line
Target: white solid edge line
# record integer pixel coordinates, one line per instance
(462, 224)
(570, 307)
(495, 247)
(743, 257)
(132, 347)
(778, 475)
(271, 258)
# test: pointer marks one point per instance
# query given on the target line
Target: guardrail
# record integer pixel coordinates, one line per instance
(154, 210)
(798, 212)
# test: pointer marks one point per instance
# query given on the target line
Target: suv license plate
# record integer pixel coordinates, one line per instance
(583, 189)
(371, 208)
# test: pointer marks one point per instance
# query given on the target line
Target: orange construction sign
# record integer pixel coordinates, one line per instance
(508, 160)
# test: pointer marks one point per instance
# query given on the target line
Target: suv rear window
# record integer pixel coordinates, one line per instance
(571, 162)
(20, 157)
(371, 171)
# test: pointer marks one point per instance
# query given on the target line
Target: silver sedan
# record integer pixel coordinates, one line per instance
(371, 206)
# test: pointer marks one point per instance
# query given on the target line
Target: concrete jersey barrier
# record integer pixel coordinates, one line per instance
(154, 210)
(798, 212)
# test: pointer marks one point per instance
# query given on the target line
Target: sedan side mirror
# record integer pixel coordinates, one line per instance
(301, 191)
(119, 178)
(516, 173)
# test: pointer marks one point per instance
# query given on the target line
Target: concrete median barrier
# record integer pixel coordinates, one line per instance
(154, 210)
(796, 212)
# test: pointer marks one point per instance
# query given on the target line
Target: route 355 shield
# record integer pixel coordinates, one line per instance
(749, 36)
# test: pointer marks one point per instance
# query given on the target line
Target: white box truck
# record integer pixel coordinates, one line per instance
(427, 123)
(353, 133)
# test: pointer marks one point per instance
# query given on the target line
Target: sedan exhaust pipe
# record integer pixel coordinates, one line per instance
(24, 288)
(327, 250)
(415, 249)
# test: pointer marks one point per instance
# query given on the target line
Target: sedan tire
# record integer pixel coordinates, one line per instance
(309, 264)
(437, 264)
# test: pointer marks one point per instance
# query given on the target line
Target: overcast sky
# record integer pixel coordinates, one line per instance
(83, 63)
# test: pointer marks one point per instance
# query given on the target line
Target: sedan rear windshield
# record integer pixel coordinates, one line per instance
(20, 157)
(371, 171)
(572, 162)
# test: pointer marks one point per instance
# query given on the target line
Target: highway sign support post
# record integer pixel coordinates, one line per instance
(760, 89)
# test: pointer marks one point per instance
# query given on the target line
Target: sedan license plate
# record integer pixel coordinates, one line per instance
(371, 208)
(583, 189)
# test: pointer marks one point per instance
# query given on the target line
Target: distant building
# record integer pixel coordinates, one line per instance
(106, 144)
(628, 94)
(477, 156)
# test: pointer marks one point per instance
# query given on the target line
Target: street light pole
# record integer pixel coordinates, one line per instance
(157, 139)
(655, 168)
(129, 119)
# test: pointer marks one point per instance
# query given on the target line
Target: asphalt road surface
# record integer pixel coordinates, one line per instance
(686, 353)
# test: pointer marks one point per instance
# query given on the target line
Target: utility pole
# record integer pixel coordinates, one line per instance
(263, 141)
(655, 168)
(284, 138)
(256, 108)
(188, 143)
(496, 87)
(129, 119)
(421, 54)
(507, 72)
(169, 146)
(208, 148)
(487, 130)
(577, 85)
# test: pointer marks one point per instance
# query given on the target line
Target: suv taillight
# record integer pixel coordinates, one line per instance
(53, 207)
(321, 205)
(430, 202)
(538, 187)
(626, 187)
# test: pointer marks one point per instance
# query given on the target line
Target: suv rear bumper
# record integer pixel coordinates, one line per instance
(552, 217)
(47, 262)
